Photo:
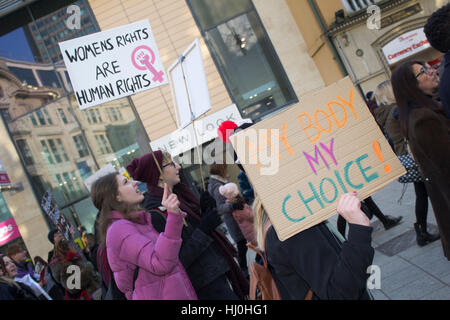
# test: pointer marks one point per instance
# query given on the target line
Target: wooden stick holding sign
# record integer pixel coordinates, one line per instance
(302, 159)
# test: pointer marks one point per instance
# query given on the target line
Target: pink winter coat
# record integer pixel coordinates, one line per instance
(161, 275)
(244, 218)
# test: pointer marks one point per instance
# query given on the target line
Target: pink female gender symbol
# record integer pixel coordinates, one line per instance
(141, 60)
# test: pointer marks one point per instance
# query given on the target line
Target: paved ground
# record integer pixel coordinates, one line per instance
(408, 272)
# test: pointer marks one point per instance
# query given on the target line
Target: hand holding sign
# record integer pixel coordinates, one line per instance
(349, 207)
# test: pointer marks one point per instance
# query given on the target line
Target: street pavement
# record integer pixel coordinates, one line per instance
(408, 272)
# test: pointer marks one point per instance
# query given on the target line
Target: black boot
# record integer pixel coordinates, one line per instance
(390, 221)
(423, 237)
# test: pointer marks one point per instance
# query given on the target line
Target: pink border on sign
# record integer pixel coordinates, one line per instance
(8, 231)
(133, 59)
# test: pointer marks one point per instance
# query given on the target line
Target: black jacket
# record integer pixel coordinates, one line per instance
(315, 259)
(10, 292)
(198, 254)
(444, 85)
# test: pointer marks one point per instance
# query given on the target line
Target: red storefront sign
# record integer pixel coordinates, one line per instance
(8, 231)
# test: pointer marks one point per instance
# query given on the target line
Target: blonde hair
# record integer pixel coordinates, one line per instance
(384, 94)
(260, 219)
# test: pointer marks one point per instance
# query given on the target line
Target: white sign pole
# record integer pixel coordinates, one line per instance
(193, 123)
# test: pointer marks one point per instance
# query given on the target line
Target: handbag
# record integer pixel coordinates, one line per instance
(412, 169)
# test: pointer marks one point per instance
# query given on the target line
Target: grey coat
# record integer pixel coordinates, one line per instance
(225, 210)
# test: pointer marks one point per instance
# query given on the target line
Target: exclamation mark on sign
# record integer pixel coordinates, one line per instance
(377, 148)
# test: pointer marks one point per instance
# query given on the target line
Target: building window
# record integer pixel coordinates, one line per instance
(46, 154)
(244, 55)
(62, 115)
(81, 146)
(98, 115)
(49, 78)
(33, 119)
(93, 117)
(103, 144)
(25, 152)
(47, 116)
(113, 114)
(55, 151)
(61, 148)
(40, 117)
(25, 75)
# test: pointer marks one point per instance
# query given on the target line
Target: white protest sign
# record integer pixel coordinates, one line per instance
(183, 140)
(112, 64)
(189, 86)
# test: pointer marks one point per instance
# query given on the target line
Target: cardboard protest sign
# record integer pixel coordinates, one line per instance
(112, 64)
(302, 159)
(59, 220)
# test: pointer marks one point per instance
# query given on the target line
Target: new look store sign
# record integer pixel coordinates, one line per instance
(112, 64)
(405, 46)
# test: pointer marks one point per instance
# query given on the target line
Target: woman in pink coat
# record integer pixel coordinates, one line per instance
(131, 241)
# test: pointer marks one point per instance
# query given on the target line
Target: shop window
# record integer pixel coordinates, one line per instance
(25, 152)
(62, 162)
(244, 55)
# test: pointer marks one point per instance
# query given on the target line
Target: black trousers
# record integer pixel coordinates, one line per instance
(421, 203)
(242, 254)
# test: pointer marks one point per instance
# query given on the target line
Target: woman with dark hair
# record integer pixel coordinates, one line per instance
(427, 131)
(132, 242)
(385, 98)
(206, 254)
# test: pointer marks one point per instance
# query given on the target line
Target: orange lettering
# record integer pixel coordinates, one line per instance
(350, 103)
(284, 139)
(330, 124)
(310, 125)
(333, 114)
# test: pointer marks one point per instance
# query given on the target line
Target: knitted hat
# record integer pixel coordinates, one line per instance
(144, 168)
